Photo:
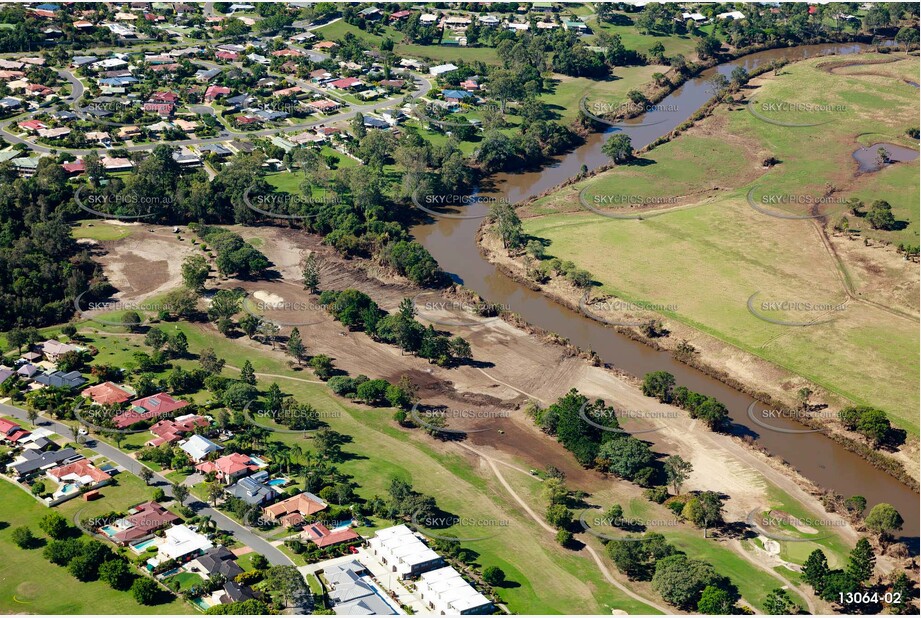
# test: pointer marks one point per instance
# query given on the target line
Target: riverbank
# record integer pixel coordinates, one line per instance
(749, 373)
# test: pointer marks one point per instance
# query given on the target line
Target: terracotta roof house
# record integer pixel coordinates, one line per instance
(230, 467)
(164, 97)
(107, 393)
(146, 408)
(75, 168)
(324, 106)
(163, 109)
(345, 82)
(226, 55)
(142, 521)
(32, 125)
(325, 45)
(286, 52)
(10, 431)
(291, 512)
(323, 537)
(213, 92)
(169, 431)
(74, 476)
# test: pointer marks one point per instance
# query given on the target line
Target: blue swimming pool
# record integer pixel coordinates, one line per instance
(143, 545)
(109, 531)
(278, 482)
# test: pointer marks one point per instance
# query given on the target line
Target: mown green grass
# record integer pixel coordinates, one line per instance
(567, 92)
(548, 579)
(709, 259)
(97, 229)
(31, 584)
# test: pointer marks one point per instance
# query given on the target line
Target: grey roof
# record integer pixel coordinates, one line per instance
(253, 489)
(6, 374)
(376, 123)
(219, 560)
(36, 460)
(71, 379)
(236, 592)
(352, 594)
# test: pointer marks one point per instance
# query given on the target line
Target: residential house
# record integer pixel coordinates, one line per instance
(215, 92)
(215, 561)
(353, 592)
(292, 511)
(141, 522)
(11, 432)
(198, 447)
(31, 461)
(441, 69)
(231, 467)
(232, 592)
(323, 537)
(206, 75)
(146, 408)
(325, 46)
(59, 379)
(170, 431)
(445, 592)
(108, 393)
(323, 106)
(73, 476)
(254, 489)
(456, 96)
(182, 543)
(400, 550)
(53, 349)
(345, 83)
(116, 164)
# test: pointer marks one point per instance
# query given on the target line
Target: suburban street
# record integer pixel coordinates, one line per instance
(240, 532)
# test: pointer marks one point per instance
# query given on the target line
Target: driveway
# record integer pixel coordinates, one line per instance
(241, 533)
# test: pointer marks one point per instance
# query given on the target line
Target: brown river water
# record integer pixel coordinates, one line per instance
(452, 241)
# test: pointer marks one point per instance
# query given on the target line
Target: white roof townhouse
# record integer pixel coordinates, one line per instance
(400, 550)
(445, 592)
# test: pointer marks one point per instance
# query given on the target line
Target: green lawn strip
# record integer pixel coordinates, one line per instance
(567, 92)
(31, 584)
(98, 229)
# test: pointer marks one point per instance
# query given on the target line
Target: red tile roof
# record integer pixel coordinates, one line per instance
(83, 467)
(228, 465)
(320, 534)
(7, 427)
(147, 408)
(106, 393)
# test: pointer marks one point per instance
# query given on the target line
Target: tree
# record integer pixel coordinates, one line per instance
(563, 537)
(117, 573)
(559, 516)
(625, 456)
(835, 584)
(210, 362)
(54, 525)
(715, 601)
(884, 519)
(311, 272)
(880, 216)
(874, 425)
(247, 374)
(619, 147)
(22, 537)
(145, 591)
(156, 338)
(708, 47)
(178, 345)
(296, 345)
(902, 589)
(861, 562)
(493, 575)
(132, 320)
(224, 304)
(214, 490)
(677, 471)
(681, 580)
(32, 415)
(180, 492)
(181, 303)
(779, 603)
(195, 269)
(249, 324)
(287, 581)
(815, 570)
(856, 505)
(146, 474)
(508, 224)
(659, 384)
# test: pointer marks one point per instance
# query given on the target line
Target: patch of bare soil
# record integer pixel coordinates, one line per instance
(879, 272)
(146, 263)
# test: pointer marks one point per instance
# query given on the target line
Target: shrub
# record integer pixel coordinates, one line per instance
(23, 537)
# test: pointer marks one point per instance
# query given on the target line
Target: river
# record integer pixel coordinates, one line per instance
(452, 241)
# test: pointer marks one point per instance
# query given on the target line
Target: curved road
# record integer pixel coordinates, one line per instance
(422, 89)
(240, 532)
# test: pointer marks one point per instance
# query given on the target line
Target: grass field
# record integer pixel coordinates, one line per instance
(568, 91)
(546, 578)
(865, 354)
(30, 584)
(97, 229)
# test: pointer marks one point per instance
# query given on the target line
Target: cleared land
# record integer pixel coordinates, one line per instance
(867, 352)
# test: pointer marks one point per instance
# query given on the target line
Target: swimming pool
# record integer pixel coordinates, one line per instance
(278, 482)
(109, 531)
(200, 603)
(143, 546)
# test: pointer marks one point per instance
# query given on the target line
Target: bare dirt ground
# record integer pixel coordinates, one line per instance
(145, 264)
